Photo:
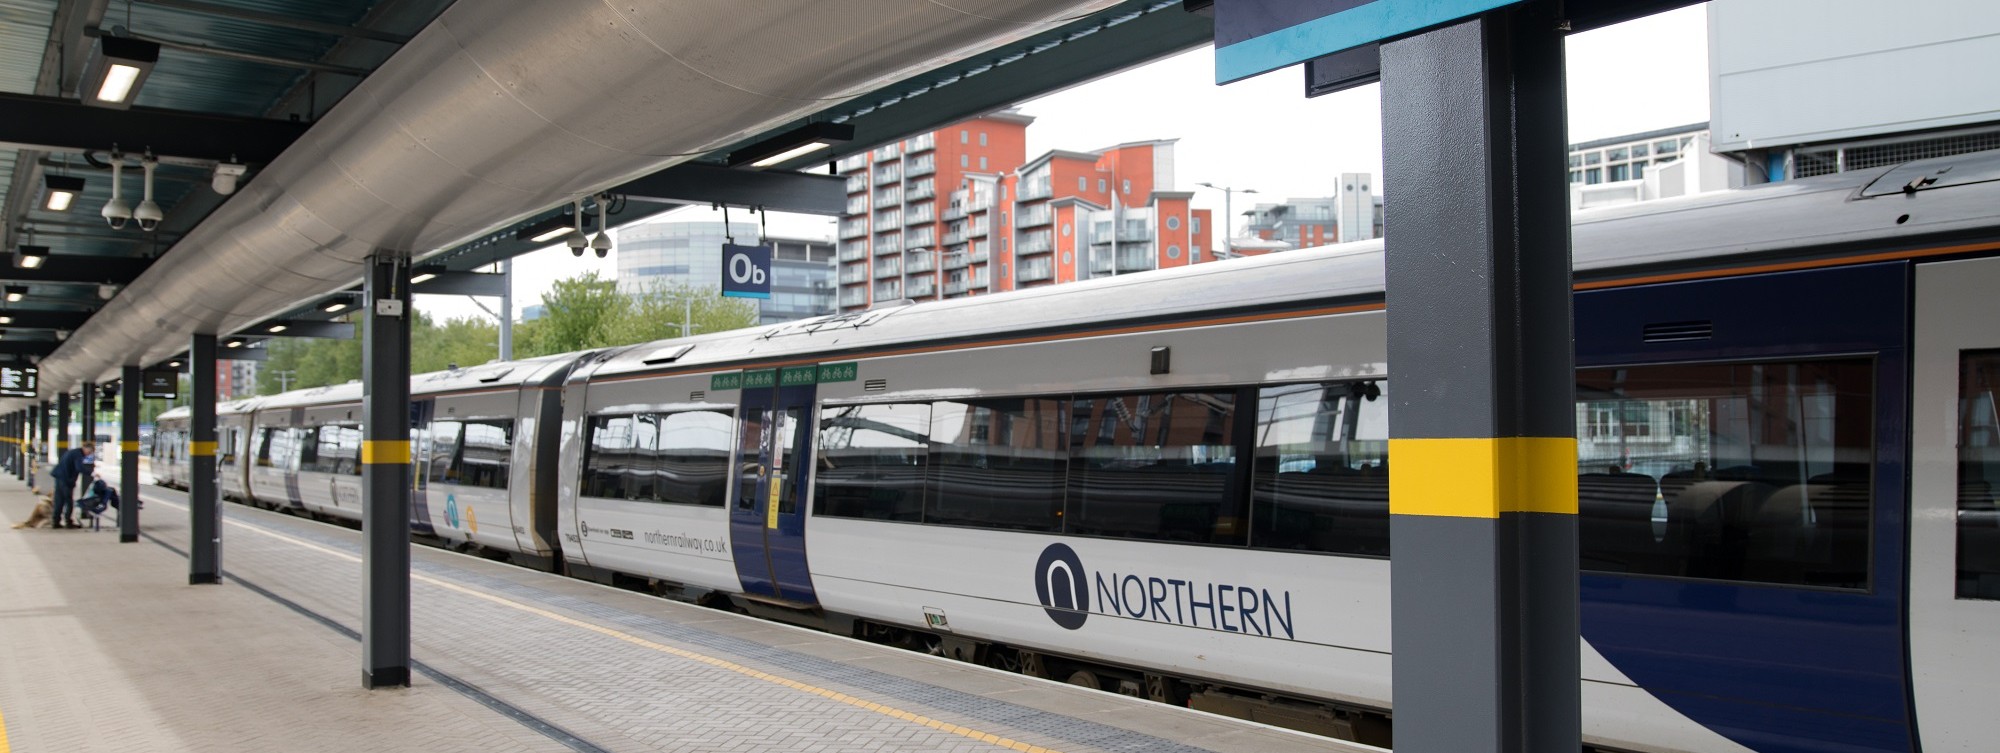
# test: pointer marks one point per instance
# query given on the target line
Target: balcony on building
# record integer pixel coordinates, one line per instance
(957, 260)
(853, 250)
(1137, 259)
(888, 290)
(954, 234)
(920, 287)
(887, 152)
(851, 162)
(857, 205)
(1034, 189)
(889, 173)
(919, 261)
(888, 196)
(977, 227)
(954, 212)
(890, 244)
(955, 285)
(1034, 243)
(919, 213)
(978, 251)
(857, 183)
(1030, 216)
(1135, 231)
(922, 143)
(924, 164)
(888, 266)
(1035, 270)
(918, 237)
(888, 219)
(853, 228)
(921, 189)
(853, 297)
(853, 273)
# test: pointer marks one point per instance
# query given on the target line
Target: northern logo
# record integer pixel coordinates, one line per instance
(1062, 587)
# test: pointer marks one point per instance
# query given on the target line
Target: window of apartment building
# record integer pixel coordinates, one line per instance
(1127, 189)
(1067, 258)
(1194, 253)
(1619, 154)
(1173, 252)
(1100, 185)
(1638, 170)
(965, 160)
(982, 138)
(1593, 176)
(982, 163)
(1641, 150)
(1065, 230)
(1620, 172)
(1575, 160)
(1173, 222)
(964, 136)
(1593, 158)
(1082, 183)
(1576, 176)
(1196, 224)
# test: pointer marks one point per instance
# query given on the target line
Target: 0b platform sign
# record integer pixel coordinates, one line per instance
(19, 381)
(746, 271)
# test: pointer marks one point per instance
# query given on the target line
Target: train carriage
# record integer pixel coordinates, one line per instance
(1175, 484)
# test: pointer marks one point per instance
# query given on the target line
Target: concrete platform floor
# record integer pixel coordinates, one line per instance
(104, 647)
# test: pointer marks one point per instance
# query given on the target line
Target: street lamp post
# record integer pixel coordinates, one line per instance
(1228, 214)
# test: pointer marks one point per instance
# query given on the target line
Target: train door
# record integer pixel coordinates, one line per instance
(1741, 492)
(1955, 523)
(767, 519)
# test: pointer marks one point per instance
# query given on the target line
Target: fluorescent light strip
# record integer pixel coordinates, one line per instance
(788, 154)
(552, 234)
(118, 83)
(425, 277)
(59, 201)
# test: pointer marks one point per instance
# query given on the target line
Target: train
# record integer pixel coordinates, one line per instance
(1174, 484)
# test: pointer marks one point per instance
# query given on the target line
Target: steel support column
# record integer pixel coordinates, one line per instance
(87, 424)
(62, 425)
(385, 474)
(48, 417)
(204, 506)
(1483, 488)
(128, 454)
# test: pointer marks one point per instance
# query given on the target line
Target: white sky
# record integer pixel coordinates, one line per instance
(1263, 133)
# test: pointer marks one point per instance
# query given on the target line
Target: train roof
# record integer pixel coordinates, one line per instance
(494, 375)
(1832, 215)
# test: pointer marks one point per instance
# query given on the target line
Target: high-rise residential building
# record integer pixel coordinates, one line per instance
(960, 211)
(913, 203)
(660, 253)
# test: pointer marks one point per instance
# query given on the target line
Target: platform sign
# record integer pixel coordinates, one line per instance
(160, 383)
(1260, 36)
(746, 271)
(19, 381)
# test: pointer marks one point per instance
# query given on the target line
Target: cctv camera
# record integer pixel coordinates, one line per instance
(577, 244)
(226, 175)
(117, 212)
(107, 291)
(601, 244)
(149, 215)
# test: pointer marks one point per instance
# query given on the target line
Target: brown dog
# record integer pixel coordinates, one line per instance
(40, 516)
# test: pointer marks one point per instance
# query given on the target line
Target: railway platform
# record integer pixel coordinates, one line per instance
(107, 649)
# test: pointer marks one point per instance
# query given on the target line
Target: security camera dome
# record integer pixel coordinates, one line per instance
(117, 212)
(148, 214)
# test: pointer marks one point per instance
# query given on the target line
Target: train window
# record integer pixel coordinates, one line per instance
(308, 449)
(264, 448)
(1156, 466)
(228, 447)
(784, 464)
(1321, 480)
(997, 463)
(445, 436)
(340, 450)
(1754, 472)
(872, 460)
(694, 457)
(484, 453)
(1978, 470)
(639, 480)
(610, 454)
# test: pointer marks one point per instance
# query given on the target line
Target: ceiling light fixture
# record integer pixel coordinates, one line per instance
(334, 306)
(276, 328)
(546, 230)
(60, 191)
(115, 70)
(31, 257)
(791, 144)
(5, 319)
(234, 342)
(107, 291)
(423, 278)
(16, 292)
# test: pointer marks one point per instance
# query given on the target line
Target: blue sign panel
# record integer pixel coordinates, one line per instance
(1260, 36)
(746, 271)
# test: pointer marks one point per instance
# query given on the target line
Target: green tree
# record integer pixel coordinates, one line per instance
(657, 314)
(465, 341)
(583, 312)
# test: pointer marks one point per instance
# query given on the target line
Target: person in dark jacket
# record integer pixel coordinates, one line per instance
(68, 471)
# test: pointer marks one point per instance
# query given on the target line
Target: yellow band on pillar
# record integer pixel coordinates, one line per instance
(386, 452)
(1481, 478)
(201, 449)
(130, 445)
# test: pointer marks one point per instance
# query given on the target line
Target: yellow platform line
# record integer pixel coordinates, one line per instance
(832, 695)
(4, 747)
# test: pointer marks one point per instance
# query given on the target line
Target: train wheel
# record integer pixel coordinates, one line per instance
(1086, 679)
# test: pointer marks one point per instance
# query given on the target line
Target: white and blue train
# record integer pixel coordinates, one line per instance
(1788, 413)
